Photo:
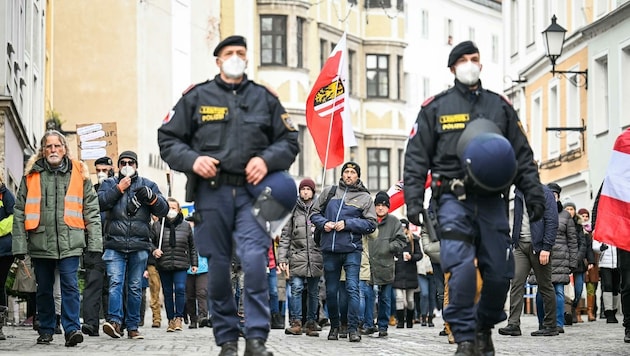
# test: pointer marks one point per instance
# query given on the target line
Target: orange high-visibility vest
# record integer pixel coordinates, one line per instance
(73, 202)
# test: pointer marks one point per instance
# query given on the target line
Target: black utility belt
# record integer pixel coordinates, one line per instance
(235, 180)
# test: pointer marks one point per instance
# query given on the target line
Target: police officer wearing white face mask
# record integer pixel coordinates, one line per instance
(231, 136)
(472, 181)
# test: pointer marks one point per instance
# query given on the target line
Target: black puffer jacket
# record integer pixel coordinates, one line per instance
(406, 271)
(178, 247)
(123, 232)
(565, 250)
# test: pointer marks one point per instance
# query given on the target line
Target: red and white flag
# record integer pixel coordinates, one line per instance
(613, 210)
(397, 195)
(328, 110)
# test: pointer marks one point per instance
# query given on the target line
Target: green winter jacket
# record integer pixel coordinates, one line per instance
(53, 239)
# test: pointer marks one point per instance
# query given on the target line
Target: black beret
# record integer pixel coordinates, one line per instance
(230, 41)
(466, 47)
(104, 160)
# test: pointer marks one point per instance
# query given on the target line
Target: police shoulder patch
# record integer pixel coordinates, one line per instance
(288, 123)
(191, 87)
(430, 99)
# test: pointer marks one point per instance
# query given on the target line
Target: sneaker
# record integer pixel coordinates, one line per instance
(343, 331)
(171, 326)
(73, 338)
(382, 334)
(134, 334)
(512, 330)
(193, 325)
(44, 339)
(333, 334)
(354, 336)
(112, 329)
(178, 324)
(560, 329)
(368, 331)
(546, 332)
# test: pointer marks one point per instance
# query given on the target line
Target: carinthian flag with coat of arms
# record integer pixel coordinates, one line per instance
(328, 110)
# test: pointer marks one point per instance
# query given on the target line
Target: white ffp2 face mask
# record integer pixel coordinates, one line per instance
(127, 171)
(101, 177)
(467, 73)
(172, 214)
(234, 67)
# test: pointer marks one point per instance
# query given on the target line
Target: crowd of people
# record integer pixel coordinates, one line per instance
(344, 260)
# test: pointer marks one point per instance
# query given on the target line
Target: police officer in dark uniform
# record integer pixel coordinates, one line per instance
(227, 135)
(471, 174)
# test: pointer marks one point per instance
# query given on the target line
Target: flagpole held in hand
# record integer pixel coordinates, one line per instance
(168, 183)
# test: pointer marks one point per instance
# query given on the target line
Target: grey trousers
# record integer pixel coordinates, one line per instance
(524, 260)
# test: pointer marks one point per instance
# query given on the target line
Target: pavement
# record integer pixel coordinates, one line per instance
(588, 338)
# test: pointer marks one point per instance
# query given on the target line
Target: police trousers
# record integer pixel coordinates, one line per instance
(226, 225)
(475, 231)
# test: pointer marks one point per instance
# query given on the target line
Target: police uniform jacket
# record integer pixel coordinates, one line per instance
(351, 203)
(230, 122)
(123, 232)
(433, 141)
(297, 247)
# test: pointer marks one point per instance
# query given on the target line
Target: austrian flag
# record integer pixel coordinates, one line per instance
(327, 109)
(613, 210)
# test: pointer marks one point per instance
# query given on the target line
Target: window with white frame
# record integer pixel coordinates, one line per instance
(424, 26)
(599, 88)
(624, 68)
(514, 16)
(377, 72)
(378, 169)
(530, 22)
(536, 125)
(574, 118)
(553, 120)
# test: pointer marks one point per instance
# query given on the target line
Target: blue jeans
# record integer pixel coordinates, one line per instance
(272, 278)
(351, 262)
(297, 287)
(559, 288)
(578, 281)
(426, 304)
(70, 299)
(132, 265)
(366, 304)
(174, 298)
(384, 306)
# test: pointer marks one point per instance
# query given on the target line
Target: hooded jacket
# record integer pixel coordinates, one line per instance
(53, 238)
(351, 203)
(297, 247)
(544, 230)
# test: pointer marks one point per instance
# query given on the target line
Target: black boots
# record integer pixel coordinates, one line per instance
(409, 318)
(610, 316)
(256, 347)
(484, 342)
(277, 321)
(58, 325)
(400, 317)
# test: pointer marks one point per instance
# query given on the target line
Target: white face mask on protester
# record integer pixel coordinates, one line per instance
(172, 214)
(101, 177)
(127, 171)
(234, 67)
(467, 73)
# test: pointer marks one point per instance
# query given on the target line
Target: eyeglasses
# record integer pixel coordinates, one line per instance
(127, 163)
